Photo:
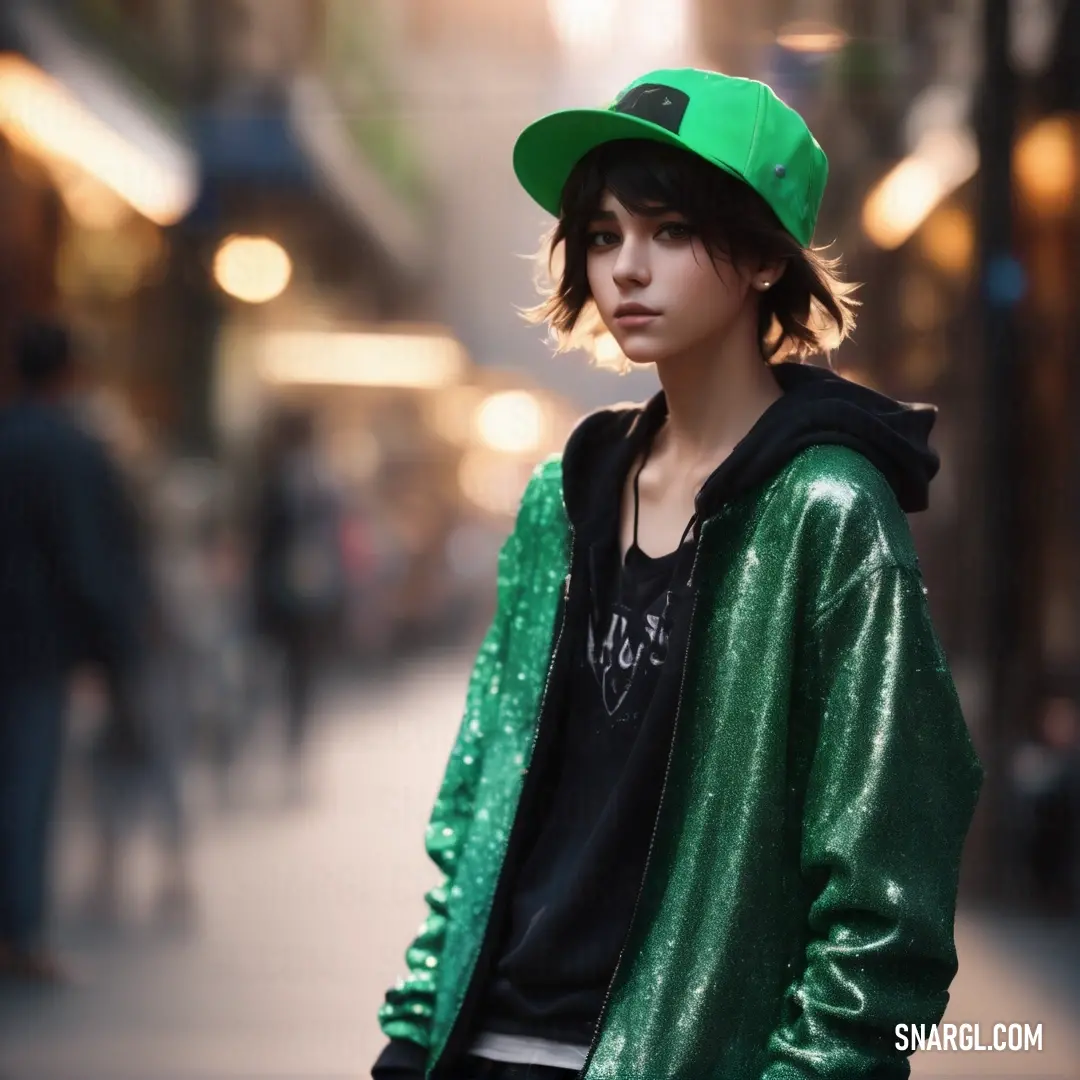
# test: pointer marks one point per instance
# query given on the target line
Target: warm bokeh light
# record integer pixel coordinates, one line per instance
(900, 202)
(607, 350)
(811, 36)
(39, 114)
(903, 199)
(326, 358)
(948, 240)
(1044, 163)
(922, 303)
(490, 481)
(581, 23)
(254, 269)
(90, 202)
(511, 421)
(450, 414)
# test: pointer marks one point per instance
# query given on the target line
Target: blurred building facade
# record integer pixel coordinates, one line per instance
(247, 205)
(479, 71)
(954, 198)
(164, 126)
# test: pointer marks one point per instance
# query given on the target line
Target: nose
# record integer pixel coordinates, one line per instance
(632, 263)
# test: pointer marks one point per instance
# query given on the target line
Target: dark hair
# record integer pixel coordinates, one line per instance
(42, 353)
(808, 310)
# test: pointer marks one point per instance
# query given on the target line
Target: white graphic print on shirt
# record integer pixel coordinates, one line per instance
(616, 663)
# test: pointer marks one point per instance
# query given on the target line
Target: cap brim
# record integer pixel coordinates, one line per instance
(548, 149)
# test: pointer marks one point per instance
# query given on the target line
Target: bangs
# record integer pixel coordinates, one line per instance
(648, 178)
(651, 178)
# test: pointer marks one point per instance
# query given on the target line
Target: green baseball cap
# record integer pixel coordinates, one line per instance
(737, 124)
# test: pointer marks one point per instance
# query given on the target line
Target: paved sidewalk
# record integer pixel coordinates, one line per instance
(306, 913)
(1012, 971)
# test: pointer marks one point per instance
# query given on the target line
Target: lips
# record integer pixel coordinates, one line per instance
(631, 309)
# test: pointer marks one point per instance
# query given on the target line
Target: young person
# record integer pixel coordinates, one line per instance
(704, 815)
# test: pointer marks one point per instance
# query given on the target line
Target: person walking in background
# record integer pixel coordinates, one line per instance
(129, 788)
(299, 573)
(70, 593)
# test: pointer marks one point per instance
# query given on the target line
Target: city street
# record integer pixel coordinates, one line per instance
(306, 909)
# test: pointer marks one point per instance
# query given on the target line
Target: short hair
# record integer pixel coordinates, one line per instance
(42, 352)
(809, 310)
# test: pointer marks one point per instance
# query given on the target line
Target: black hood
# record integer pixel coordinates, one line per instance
(818, 406)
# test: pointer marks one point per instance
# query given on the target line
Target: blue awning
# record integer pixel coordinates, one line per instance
(304, 143)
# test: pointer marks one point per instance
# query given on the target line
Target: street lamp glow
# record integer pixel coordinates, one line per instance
(1044, 162)
(903, 199)
(511, 421)
(254, 269)
(811, 36)
(41, 115)
(342, 358)
(900, 202)
(948, 240)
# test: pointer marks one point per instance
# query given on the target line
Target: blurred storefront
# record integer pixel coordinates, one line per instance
(112, 172)
(165, 128)
(431, 451)
(222, 199)
(296, 125)
(30, 221)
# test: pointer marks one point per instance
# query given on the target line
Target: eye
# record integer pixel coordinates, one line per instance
(601, 238)
(675, 230)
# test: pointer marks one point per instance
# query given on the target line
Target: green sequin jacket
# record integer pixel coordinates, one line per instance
(799, 897)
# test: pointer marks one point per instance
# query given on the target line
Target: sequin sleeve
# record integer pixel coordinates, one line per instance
(408, 1007)
(892, 789)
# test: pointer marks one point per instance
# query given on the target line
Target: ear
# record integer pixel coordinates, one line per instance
(768, 274)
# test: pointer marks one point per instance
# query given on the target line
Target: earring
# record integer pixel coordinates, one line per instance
(765, 284)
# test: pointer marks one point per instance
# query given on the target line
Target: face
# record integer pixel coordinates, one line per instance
(657, 288)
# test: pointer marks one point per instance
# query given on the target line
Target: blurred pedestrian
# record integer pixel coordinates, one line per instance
(129, 789)
(299, 568)
(219, 649)
(705, 810)
(69, 594)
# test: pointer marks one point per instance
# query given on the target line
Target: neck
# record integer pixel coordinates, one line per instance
(715, 395)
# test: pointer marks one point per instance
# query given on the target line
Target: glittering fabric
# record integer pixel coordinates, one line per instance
(800, 893)
(470, 824)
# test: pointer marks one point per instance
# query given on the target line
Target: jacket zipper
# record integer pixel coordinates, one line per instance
(517, 813)
(656, 821)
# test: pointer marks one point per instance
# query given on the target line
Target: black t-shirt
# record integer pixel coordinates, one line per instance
(576, 889)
